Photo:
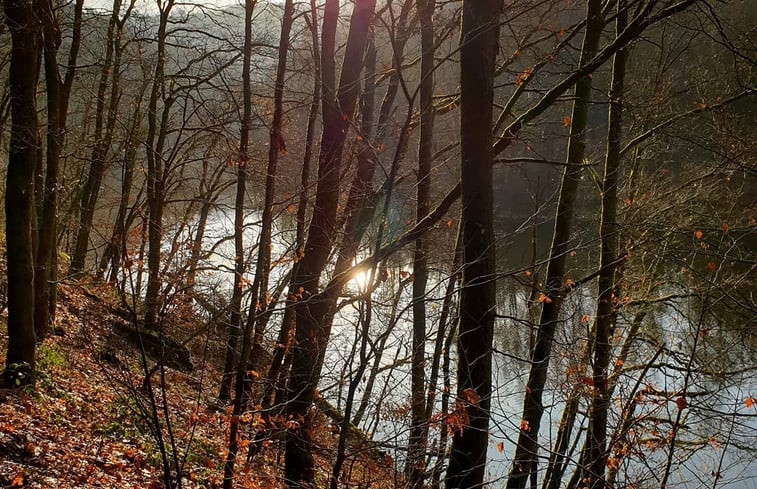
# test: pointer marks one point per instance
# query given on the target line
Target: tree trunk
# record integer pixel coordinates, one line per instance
(235, 308)
(91, 188)
(19, 192)
(276, 371)
(58, 92)
(299, 468)
(416, 448)
(609, 249)
(478, 52)
(155, 175)
(236, 299)
(116, 250)
(359, 192)
(527, 448)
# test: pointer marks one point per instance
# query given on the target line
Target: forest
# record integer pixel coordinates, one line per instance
(378, 244)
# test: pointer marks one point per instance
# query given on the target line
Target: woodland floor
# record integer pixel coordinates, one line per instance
(80, 428)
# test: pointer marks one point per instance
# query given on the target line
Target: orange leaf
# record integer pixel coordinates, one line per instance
(566, 120)
(585, 318)
(698, 234)
(749, 401)
(724, 227)
(711, 266)
(544, 298)
(521, 77)
(449, 222)
(500, 447)
(524, 425)
(471, 396)
(681, 403)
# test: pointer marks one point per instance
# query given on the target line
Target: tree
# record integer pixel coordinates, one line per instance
(105, 120)
(478, 52)
(58, 94)
(338, 109)
(19, 195)
(156, 170)
(242, 163)
(524, 461)
(606, 312)
(252, 332)
(416, 458)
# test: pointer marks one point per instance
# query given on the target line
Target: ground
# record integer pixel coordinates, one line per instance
(83, 427)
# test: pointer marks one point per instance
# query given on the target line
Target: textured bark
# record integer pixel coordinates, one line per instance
(276, 371)
(98, 160)
(299, 470)
(527, 447)
(416, 449)
(478, 52)
(235, 307)
(155, 173)
(251, 338)
(58, 93)
(609, 248)
(356, 224)
(19, 191)
(116, 251)
(258, 313)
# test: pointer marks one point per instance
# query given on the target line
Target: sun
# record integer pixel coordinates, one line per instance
(360, 279)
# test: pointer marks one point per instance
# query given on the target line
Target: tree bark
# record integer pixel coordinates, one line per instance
(19, 192)
(359, 192)
(155, 174)
(609, 249)
(274, 382)
(235, 308)
(98, 161)
(416, 448)
(299, 468)
(526, 452)
(58, 92)
(231, 366)
(478, 52)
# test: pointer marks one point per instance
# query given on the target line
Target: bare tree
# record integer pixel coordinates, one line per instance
(478, 52)
(22, 157)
